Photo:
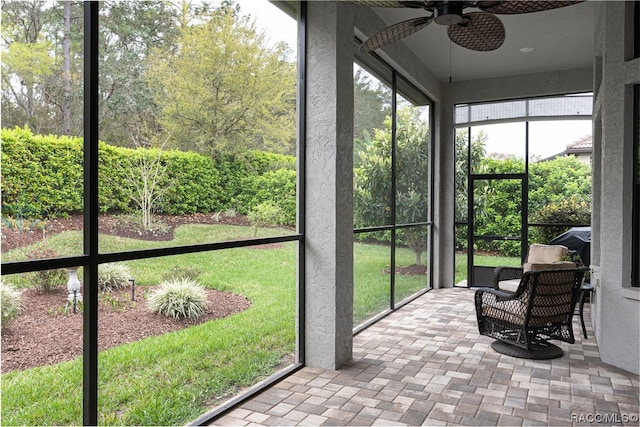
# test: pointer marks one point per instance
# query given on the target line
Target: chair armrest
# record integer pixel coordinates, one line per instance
(506, 273)
(500, 303)
(500, 294)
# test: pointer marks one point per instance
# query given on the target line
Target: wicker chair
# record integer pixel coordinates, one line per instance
(539, 310)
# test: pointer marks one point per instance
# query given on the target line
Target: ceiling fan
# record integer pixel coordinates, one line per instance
(481, 30)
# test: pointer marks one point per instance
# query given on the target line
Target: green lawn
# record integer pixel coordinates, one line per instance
(173, 378)
(372, 281)
(484, 260)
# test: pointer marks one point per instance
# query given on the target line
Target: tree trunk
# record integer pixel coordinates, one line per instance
(30, 108)
(415, 245)
(66, 69)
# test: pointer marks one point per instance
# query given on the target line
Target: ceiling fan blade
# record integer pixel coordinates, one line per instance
(479, 31)
(517, 6)
(395, 32)
(388, 3)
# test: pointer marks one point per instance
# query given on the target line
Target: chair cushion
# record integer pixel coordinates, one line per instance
(547, 266)
(504, 313)
(510, 285)
(544, 254)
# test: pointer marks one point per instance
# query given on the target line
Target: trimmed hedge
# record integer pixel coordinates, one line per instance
(278, 187)
(42, 177)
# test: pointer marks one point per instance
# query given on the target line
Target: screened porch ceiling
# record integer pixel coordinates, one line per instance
(561, 39)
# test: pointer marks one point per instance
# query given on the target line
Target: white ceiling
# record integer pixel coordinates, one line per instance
(561, 39)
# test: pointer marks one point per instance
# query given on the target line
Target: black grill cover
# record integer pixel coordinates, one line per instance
(576, 239)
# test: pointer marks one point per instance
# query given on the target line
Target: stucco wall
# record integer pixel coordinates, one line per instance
(616, 306)
(329, 185)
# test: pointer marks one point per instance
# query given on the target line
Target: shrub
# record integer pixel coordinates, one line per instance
(45, 280)
(181, 272)
(194, 184)
(182, 297)
(10, 302)
(275, 187)
(266, 213)
(261, 162)
(23, 233)
(571, 210)
(113, 276)
(42, 177)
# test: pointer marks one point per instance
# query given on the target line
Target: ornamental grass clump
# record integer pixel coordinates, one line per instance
(113, 276)
(47, 281)
(181, 272)
(179, 298)
(10, 302)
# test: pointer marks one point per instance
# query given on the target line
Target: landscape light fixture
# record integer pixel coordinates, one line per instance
(73, 287)
(133, 289)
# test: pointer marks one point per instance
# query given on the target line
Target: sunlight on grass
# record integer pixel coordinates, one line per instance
(370, 282)
(408, 284)
(69, 243)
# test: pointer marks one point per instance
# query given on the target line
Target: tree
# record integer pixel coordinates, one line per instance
(130, 30)
(26, 61)
(372, 180)
(66, 68)
(146, 182)
(462, 168)
(43, 62)
(559, 191)
(553, 181)
(224, 89)
(372, 104)
(573, 209)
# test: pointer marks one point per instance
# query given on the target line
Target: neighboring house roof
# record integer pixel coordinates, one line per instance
(582, 145)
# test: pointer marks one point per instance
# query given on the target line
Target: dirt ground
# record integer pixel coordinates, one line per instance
(49, 332)
(116, 225)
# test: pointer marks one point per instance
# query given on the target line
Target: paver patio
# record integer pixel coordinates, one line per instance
(426, 364)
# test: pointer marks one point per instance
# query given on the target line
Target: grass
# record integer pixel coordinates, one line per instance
(372, 284)
(484, 260)
(173, 378)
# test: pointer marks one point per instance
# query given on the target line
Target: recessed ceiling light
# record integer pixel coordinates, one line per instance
(526, 49)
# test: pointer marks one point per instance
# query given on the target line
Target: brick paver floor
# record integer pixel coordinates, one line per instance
(426, 364)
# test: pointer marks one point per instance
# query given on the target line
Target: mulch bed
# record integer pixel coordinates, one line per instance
(116, 225)
(48, 332)
(409, 270)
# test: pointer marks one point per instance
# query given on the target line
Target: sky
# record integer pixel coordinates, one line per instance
(277, 24)
(545, 138)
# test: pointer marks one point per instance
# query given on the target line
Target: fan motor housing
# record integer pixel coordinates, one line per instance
(448, 12)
